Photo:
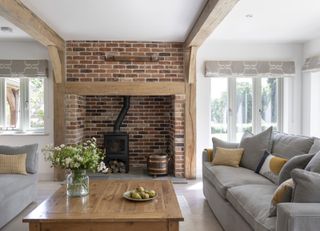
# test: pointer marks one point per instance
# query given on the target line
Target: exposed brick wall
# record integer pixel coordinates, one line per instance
(154, 124)
(75, 118)
(85, 61)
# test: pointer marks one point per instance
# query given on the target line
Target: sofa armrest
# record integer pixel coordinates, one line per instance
(205, 154)
(298, 216)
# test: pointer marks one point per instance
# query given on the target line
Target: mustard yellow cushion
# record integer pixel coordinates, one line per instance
(210, 154)
(227, 156)
(282, 194)
(13, 164)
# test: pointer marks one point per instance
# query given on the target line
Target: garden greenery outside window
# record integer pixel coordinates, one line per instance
(22, 104)
(22, 95)
(245, 104)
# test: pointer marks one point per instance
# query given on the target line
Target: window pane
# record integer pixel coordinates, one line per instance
(219, 108)
(12, 102)
(269, 103)
(243, 106)
(36, 103)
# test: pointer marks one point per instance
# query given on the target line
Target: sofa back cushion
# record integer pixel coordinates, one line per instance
(30, 150)
(254, 147)
(315, 148)
(307, 186)
(288, 146)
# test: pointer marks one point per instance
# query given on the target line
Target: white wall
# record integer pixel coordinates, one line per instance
(310, 93)
(32, 50)
(226, 50)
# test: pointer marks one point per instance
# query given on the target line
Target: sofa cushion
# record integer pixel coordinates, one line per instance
(13, 164)
(217, 143)
(253, 203)
(224, 177)
(30, 150)
(288, 146)
(307, 186)
(254, 147)
(299, 161)
(270, 166)
(227, 156)
(282, 194)
(314, 163)
(315, 147)
(11, 183)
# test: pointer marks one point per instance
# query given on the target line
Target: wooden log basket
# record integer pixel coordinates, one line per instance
(157, 165)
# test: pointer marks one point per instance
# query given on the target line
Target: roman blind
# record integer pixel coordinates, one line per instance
(23, 68)
(311, 64)
(255, 69)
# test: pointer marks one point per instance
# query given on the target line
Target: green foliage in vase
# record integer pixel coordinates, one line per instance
(81, 156)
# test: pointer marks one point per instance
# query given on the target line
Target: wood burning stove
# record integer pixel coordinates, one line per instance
(116, 143)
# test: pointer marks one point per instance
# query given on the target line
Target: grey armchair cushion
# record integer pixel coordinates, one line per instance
(307, 186)
(288, 146)
(299, 161)
(315, 147)
(314, 164)
(217, 143)
(254, 148)
(30, 150)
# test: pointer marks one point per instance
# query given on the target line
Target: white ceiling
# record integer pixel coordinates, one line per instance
(143, 20)
(272, 21)
(16, 33)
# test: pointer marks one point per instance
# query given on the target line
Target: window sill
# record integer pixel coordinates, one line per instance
(19, 133)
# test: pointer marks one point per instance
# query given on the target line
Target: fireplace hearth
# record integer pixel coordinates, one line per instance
(116, 143)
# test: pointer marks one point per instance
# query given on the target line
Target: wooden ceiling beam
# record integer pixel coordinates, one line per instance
(17, 13)
(56, 63)
(211, 16)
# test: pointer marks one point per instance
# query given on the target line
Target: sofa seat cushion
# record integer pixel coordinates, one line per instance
(11, 183)
(253, 203)
(224, 177)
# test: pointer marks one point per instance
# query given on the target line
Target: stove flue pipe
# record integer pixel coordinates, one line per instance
(122, 114)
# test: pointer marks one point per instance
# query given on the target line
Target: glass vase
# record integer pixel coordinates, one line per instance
(77, 183)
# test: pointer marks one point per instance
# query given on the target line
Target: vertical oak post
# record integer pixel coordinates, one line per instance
(190, 113)
(59, 113)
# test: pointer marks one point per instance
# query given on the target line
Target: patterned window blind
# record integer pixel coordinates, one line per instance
(23, 68)
(254, 69)
(311, 64)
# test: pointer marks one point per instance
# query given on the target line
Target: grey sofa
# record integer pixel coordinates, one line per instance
(18, 191)
(240, 198)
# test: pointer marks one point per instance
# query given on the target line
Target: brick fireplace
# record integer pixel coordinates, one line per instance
(155, 124)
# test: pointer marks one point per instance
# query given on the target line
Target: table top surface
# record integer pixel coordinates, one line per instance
(105, 202)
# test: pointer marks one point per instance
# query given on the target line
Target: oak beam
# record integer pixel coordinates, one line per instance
(126, 88)
(211, 16)
(190, 58)
(17, 13)
(190, 131)
(56, 63)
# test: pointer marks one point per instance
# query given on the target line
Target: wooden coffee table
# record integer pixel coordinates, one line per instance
(104, 209)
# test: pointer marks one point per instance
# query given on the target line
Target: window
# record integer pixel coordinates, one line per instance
(245, 104)
(22, 104)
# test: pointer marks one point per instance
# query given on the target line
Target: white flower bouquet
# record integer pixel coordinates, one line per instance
(85, 156)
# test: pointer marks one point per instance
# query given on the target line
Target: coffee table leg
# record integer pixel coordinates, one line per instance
(173, 226)
(34, 227)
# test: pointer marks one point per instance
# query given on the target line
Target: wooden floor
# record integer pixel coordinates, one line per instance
(196, 212)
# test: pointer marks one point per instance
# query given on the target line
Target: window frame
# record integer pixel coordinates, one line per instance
(23, 126)
(256, 106)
